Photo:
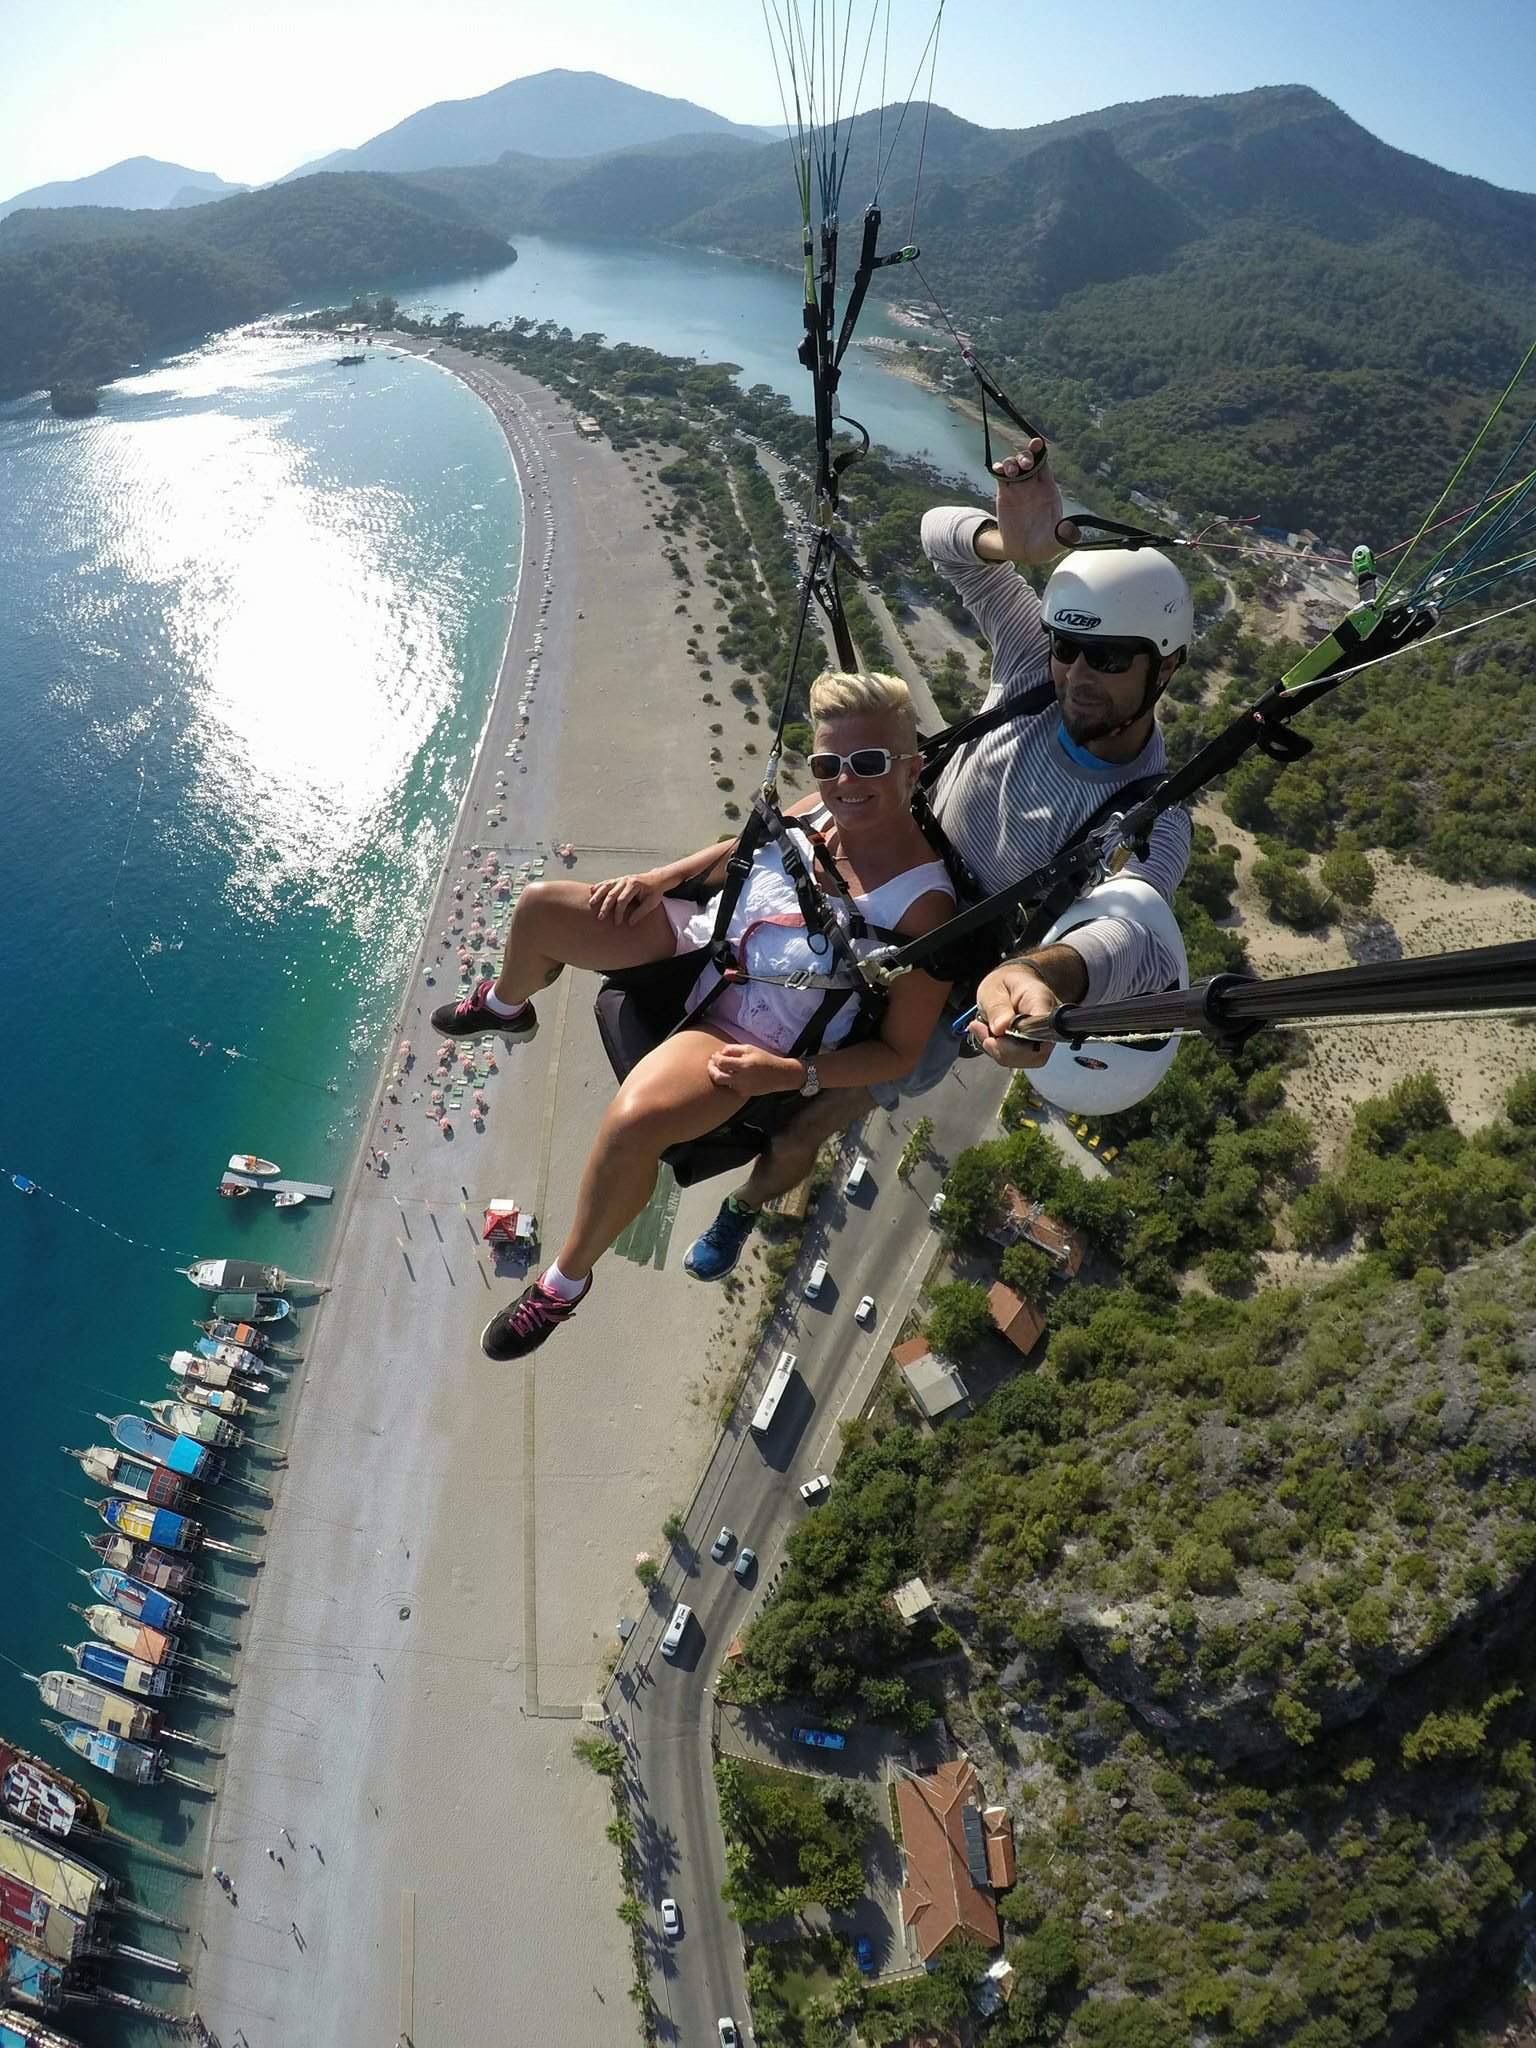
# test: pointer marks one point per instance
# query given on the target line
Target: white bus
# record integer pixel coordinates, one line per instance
(774, 1392)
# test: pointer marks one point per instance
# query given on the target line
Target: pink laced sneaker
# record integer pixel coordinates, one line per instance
(472, 1016)
(536, 1314)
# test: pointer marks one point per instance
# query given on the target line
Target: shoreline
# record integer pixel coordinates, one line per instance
(392, 1716)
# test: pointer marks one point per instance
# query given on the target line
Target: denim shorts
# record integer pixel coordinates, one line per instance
(934, 1062)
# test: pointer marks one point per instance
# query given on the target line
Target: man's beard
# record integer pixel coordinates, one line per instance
(1085, 724)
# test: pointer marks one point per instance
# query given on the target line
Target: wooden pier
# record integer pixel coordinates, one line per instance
(271, 1185)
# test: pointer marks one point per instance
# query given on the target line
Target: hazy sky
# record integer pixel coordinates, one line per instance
(249, 90)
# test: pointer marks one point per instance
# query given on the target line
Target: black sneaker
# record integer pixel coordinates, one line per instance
(535, 1315)
(473, 1015)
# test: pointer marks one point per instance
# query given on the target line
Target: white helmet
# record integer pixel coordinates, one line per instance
(1097, 1078)
(1120, 594)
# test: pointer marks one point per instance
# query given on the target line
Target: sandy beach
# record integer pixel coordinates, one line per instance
(453, 1540)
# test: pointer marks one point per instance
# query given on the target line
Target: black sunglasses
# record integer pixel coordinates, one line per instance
(867, 762)
(1104, 657)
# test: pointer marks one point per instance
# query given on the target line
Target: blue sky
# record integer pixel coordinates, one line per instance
(248, 91)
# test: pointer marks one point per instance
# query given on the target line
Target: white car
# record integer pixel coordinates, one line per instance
(936, 1206)
(816, 1489)
(671, 1919)
(817, 1280)
(729, 2038)
(865, 1312)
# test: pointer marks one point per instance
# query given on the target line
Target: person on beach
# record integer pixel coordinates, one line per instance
(1110, 631)
(865, 761)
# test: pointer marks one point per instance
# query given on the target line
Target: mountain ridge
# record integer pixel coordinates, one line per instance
(139, 182)
(1242, 301)
(538, 116)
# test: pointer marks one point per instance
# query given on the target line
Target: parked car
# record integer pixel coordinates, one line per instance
(729, 2038)
(817, 1280)
(672, 1920)
(865, 1312)
(677, 1628)
(746, 1563)
(857, 1176)
(936, 1206)
(722, 1543)
(864, 1954)
(816, 1489)
(820, 1738)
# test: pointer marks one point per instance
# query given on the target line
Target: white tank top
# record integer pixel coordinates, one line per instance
(770, 937)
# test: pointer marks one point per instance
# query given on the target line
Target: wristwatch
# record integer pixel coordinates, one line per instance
(811, 1085)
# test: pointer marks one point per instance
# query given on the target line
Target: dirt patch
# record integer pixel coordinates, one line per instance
(1474, 1058)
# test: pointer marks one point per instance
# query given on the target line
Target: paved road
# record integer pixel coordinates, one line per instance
(882, 1244)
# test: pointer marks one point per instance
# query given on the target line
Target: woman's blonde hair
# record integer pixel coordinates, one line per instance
(837, 694)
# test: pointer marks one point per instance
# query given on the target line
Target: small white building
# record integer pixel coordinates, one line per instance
(933, 1382)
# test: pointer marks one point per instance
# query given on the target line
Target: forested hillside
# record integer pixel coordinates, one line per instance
(85, 291)
(1242, 304)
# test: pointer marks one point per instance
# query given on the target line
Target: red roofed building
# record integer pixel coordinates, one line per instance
(1002, 1866)
(946, 1888)
(1019, 1320)
(1027, 1221)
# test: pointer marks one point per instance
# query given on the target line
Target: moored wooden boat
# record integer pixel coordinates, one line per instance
(138, 1601)
(35, 1795)
(93, 1705)
(251, 1308)
(148, 1645)
(142, 1561)
(141, 1523)
(143, 1604)
(56, 1897)
(98, 1707)
(235, 1276)
(134, 1477)
(199, 1423)
(167, 1531)
(220, 1400)
(36, 1982)
(245, 1334)
(136, 1675)
(18, 2031)
(243, 1359)
(134, 1762)
(179, 1454)
(215, 1372)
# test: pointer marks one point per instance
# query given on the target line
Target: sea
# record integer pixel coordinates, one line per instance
(251, 616)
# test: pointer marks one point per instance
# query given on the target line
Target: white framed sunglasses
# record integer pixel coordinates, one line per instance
(867, 763)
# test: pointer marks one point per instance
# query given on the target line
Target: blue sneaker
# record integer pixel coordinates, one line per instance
(712, 1255)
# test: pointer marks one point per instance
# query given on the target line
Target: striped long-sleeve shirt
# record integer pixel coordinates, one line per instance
(1015, 797)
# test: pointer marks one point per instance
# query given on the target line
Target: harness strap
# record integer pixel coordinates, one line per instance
(1047, 890)
(939, 751)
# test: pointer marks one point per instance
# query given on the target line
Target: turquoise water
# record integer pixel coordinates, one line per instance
(686, 302)
(252, 615)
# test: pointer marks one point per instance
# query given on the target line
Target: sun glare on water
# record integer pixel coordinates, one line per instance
(312, 621)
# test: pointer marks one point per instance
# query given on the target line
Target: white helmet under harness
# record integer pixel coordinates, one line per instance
(1096, 1077)
(1120, 594)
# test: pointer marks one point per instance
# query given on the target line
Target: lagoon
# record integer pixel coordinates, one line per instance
(691, 302)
